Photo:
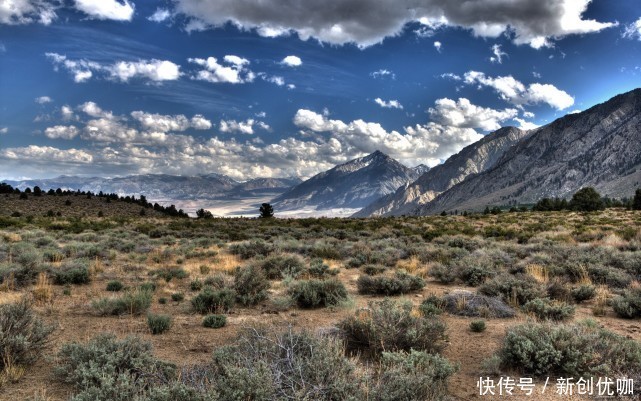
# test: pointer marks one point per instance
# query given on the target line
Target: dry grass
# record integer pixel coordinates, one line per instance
(225, 263)
(540, 273)
(43, 290)
(12, 373)
(411, 265)
(601, 301)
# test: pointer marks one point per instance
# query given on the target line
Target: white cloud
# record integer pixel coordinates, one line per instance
(292, 61)
(61, 132)
(43, 100)
(528, 114)
(160, 15)
(438, 45)
(154, 70)
(166, 123)
(18, 12)
(498, 54)
(44, 155)
(4, 130)
(67, 112)
(361, 22)
(243, 127)
(526, 125)
(633, 31)
(280, 81)
(464, 114)
(382, 73)
(577, 111)
(392, 104)
(123, 71)
(515, 92)
(106, 9)
(93, 110)
(235, 72)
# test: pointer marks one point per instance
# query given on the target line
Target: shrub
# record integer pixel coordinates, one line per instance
(412, 376)
(162, 300)
(318, 269)
(277, 267)
(149, 287)
(465, 303)
(22, 334)
(389, 326)
(214, 321)
(110, 369)
(210, 300)
(546, 309)
(583, 293)
(170, 273)
(586, 200)
(196, 285)
(629, 304)
(317, 293)
(134, 302)
(477, 326)
(158, 324)
(250, 284)
(217, 281)
(432, 306)
(400, 283)
(568, 351)
(373, 270)
(443, 274)
(251, 249)
(177, 297)
(284, 366)
(515, 289)
(115, 286)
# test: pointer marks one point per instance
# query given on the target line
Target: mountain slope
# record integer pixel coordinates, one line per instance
(350, 185)
(600, 147)
(473, 159)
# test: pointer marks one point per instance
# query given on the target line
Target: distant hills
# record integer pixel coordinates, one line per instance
(352, 185)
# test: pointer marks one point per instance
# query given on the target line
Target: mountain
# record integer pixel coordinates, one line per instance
(473, 159)
(260, 186)
(600, 147)
(351, 185)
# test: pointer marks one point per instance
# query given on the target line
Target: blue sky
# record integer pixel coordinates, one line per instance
(254, 88)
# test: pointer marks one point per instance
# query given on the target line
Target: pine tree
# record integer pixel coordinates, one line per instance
(266, 211)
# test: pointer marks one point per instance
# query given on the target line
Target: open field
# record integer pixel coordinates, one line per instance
(543, 271)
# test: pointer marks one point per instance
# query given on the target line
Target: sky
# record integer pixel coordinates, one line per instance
(279, 88)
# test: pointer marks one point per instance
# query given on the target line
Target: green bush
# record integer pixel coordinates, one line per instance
(373, 270)
(148, 287)
(432, 306)
(443, 274)
(389, 326)
(134, 302)
(110, 369)
(465, 303)
(583, 293)
(214, 301)
(519, 288)
(23, 335)
(579, 350)
(214, 321)
(115, 286)
(477, 326)
(546, 309)
(400, 283)
(412, 376)
(170, 273)
(250, 284)
(318, 269)
(217, 281)
(629, 304)
(277, 267)
(317, 293)
(158, 324)
(72, 272)
(177, 297)
(251, 249)
(196, 285)
(263, 366)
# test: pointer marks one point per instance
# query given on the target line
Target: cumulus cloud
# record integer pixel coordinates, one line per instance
(526, 125)
(4, 130)
(463, 114)
(438, 45)
(44, 155)
(83, 70)
(61, 132)
(242, 127)
(232, 70)
(382, 73)
(274, 79)
(392, 104)
(633, 31)
(106, 9)
(43, 100)
(167, 123)
(160, 15)
(516, 93)
(18, 12)
(66, 112)
(292, 61)
(498, 54)
(366, 23)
